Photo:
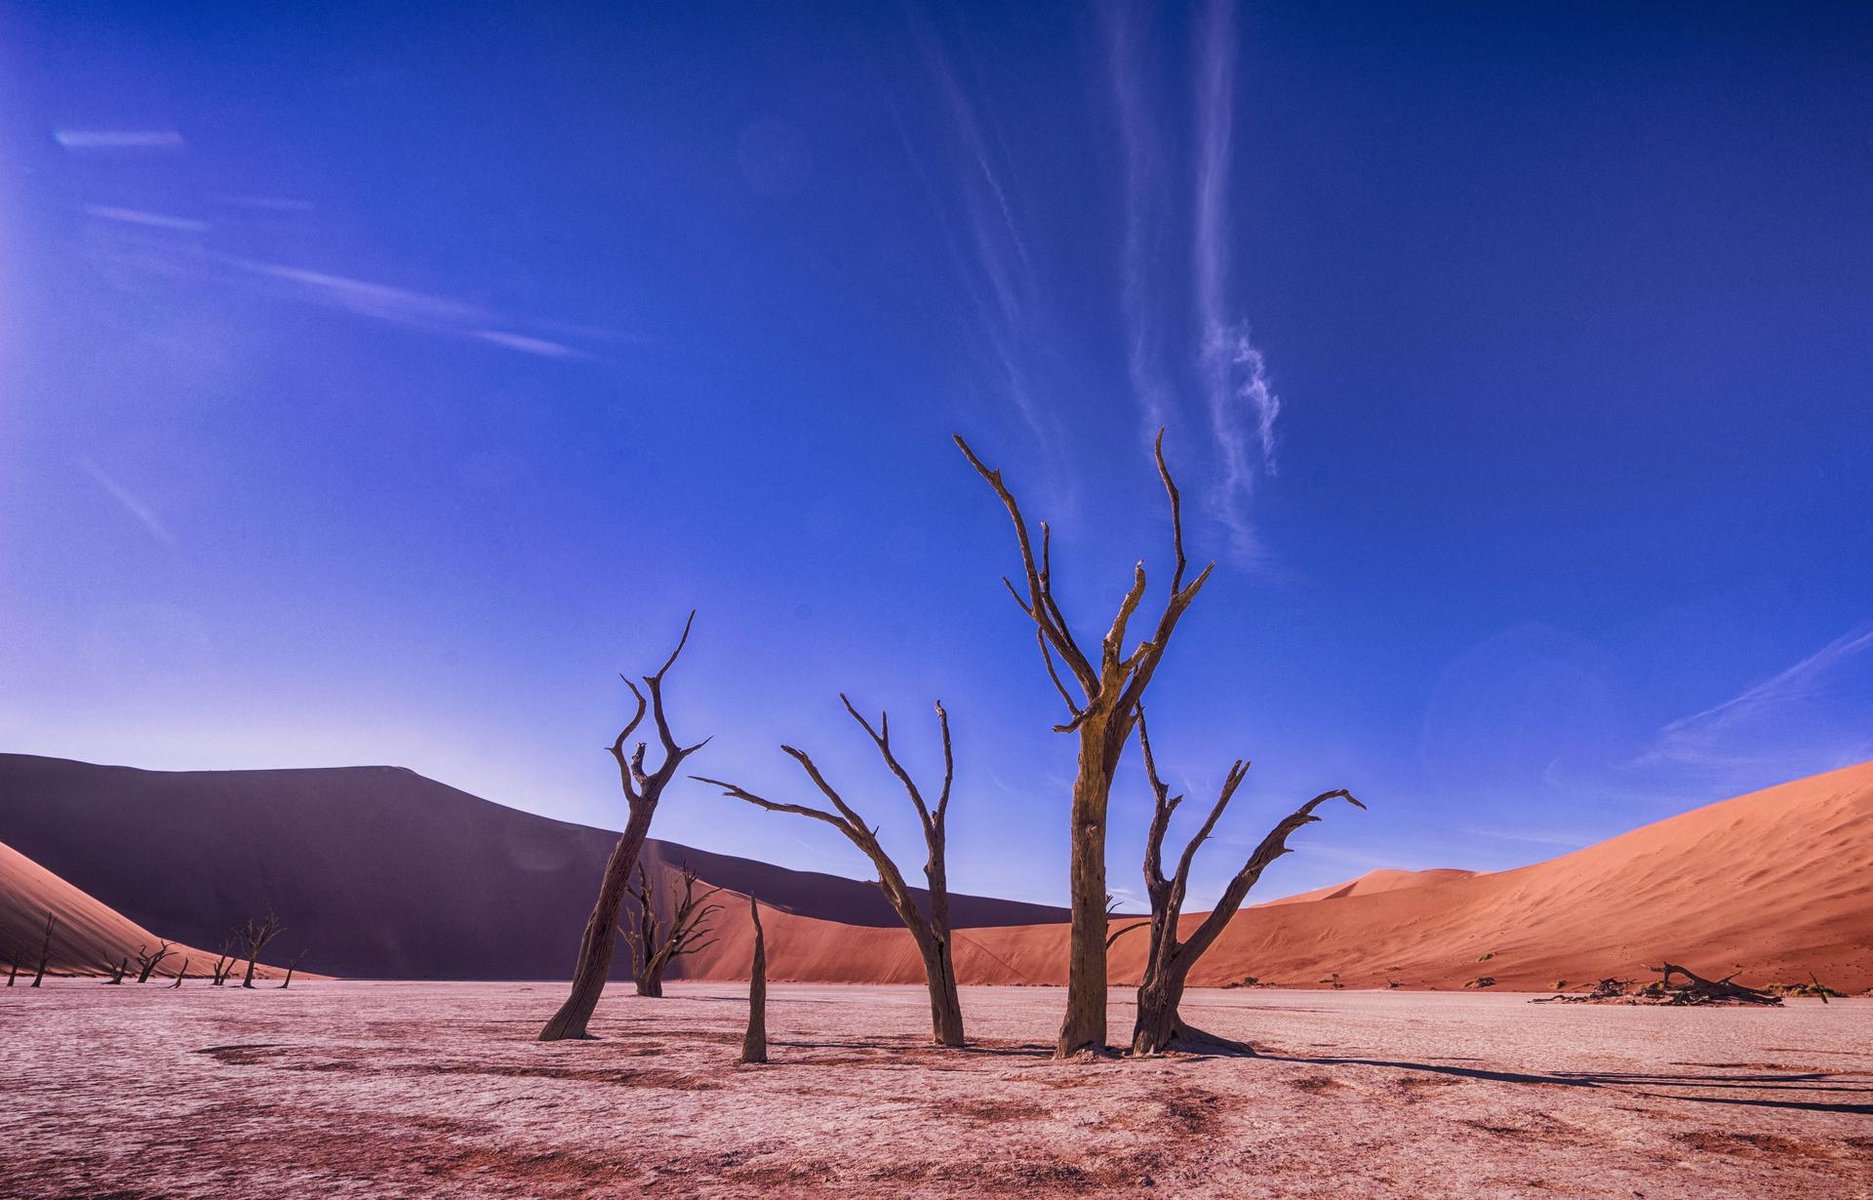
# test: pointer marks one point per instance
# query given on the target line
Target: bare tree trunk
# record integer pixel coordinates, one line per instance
(1084, 1026)
(13, 969)
(117, 971)
(946, 1010)
(183, 973)
(45, 951)
(1159, 1025)
(754, 1042)
(642, 790)
(1111, 688)
(290, 968)
(593, 967)
(932, 931)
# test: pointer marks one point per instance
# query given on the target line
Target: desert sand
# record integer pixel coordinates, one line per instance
(89, 933)
(1778, 883)
(378, 872)
(385, 1089)
(383, 873)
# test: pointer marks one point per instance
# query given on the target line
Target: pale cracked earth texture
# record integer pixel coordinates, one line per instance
(392, 1089)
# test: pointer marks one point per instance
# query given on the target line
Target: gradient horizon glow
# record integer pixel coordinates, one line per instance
(375, 385)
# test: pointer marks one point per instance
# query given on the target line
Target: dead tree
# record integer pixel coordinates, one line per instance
(45, 951)
(654, 944)
(147, 963)
(643, 788)
(183, 973)
(253, 938)
(1159, 1027)
(1698, 990)
(224, 963)
(1110, 685)
(290, 968)
(754, 1042)
(13, 967)
(931, 930)
(117, 970)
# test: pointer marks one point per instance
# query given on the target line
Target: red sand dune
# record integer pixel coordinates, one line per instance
(376, 871)
(89, 934)
(1778, 882)
(1385, 879)
(386, 873)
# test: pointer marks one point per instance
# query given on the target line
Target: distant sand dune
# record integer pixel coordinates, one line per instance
(384, 873)
(89, 934)
(1778, 883)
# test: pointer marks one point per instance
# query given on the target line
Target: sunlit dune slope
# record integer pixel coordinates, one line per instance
(87, 934)
(1778, 882)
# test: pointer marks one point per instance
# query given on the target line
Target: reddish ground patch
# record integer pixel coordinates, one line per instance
(387, 1090)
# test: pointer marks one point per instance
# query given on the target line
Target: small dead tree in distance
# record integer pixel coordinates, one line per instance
(45, 950)
(253, 938)
(183, 973)
(291, 967)
(117, 970)
(1159, 1027)
(643, 788)
(931, 932)
(148, 962)
(224, 963)
(655, 945)
(754, 1041)
(1111, 689)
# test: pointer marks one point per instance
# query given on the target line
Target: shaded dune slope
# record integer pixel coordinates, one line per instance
(376, 871)
(88, 935)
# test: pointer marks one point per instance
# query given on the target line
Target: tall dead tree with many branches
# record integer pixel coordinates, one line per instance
(253, 938)
(1159, 1026)
(643, 788)
(931, 929)
(656, 943)
(1110, 685)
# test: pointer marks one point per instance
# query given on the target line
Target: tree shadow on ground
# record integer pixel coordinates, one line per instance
(1774, 1083)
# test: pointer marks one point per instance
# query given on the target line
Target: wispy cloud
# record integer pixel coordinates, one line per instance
(1530, 836)
(1243, 406)
(419, 311)
(119, 139)
(133, 216)
(131, 502)
(1814, 713)
(1239, 403)
(1144, 216)
(993, 253)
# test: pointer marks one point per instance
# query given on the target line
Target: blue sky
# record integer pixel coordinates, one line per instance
(378, 383)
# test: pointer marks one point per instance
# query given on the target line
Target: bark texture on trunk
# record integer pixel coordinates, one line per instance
(1159, 1026)
(593, 966)
(1103, 703)
(931, 929)
(643, 788)
(754, 1041)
